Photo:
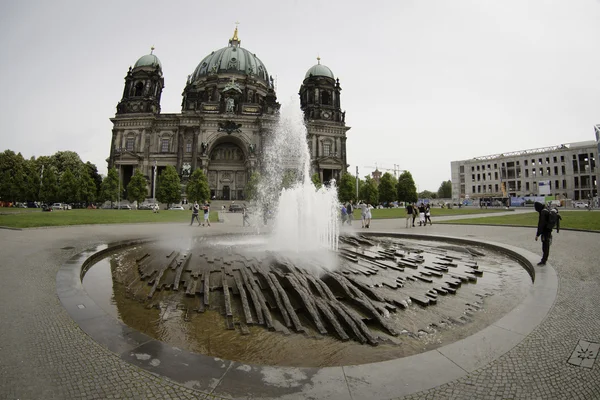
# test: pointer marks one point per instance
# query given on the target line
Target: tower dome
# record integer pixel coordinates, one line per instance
(232, 59)
(319, 70)
(149, 60)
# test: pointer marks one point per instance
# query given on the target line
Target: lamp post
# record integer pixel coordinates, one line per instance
(119, 151)
(357, 183)
(154, 184)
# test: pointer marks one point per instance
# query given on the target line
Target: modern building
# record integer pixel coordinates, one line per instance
(228, 113)
(567, 171)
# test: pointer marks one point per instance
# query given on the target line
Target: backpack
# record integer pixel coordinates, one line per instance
(553, 220)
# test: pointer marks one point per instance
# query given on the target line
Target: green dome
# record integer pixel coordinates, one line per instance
(149, 60)
(319, 70)
(231, 59)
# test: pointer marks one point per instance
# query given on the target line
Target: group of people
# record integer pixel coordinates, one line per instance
(422, 211)
(347, 213)
(196, 211)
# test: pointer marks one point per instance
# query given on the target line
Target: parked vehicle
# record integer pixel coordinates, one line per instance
(123, 207)
(580, 204)
(236, 208)
(57, 206)
(178, 208)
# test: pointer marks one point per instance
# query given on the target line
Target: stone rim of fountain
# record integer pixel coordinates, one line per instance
(383, 379)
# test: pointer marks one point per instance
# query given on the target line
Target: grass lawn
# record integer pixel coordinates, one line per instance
(31, 217)
(570, 219)
(435, 212)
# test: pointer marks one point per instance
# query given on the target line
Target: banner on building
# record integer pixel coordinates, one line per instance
(544, 188)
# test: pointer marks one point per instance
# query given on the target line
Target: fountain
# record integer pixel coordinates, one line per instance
(304, 295)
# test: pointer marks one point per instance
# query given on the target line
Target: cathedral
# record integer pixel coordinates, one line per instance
(228, 112)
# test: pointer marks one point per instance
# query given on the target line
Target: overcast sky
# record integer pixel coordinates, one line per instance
(424, 82)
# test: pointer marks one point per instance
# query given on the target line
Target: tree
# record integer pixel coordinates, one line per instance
(110, 186)
(252, 186)
(369, 192)
(49, 189)
(68, 187)
(168, 188)
(87, 187)
(137, 189)
(197, 188)
(289, 179)
(347, 188)
(406, 188)
(445, 190)
(387, 188)
(66, 160)
(93, 173)
(426, 194)
(12, 185)
(316, 180)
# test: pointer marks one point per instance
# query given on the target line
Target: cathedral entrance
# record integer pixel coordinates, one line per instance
(227, 171)
(226, 192)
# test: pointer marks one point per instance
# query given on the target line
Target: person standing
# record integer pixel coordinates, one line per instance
(547, 220)
(363, 212)
(415, 214)
(195, 210)
(245, 216)
(350, 211)
(409, 214)
(428, 214)
(206, 210)
(368, 216)
(421, 214)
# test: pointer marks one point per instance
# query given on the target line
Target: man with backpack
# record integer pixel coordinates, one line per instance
(547, 221)
(350, 211)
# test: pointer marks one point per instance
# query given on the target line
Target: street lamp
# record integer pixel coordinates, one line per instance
(119, 152)
(154, 184)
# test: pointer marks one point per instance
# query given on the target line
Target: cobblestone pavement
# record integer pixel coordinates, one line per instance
(44, 354)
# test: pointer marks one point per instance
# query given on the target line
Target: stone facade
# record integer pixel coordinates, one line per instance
(229, 110)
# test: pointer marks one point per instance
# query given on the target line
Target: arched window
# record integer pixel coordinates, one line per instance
(139, 89)
(326, 98)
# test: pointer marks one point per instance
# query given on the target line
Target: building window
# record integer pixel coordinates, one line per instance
(547, 160)
(532, 163)
(496, 175)
(478, 168)
(489, 166)
(473, 178)
(188, 147)
(563, 170)
(326, 149)
(539, 161)
(495, 166)
(527, 186)
(554, 159)
(548, 171)
(525, 162)
(555, 170)
(130, 143)
(541, 171)
(556, 186)
(533, 172)
(564, 185)
(462, 169)
(473, 191)
(472, 168)
(496, 186)
(164, 148)
(526, 173)
(562, 158)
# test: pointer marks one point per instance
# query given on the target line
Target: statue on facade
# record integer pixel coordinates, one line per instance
(230, 104)
(252, 148)
(204, 147)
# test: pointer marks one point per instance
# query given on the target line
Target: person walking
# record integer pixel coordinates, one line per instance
(350, 211)
(368, 216)
(195, 210)
(422, 214)
(245, 216)
(409, 214)
(344, 214)
(206, 210)
(547, 220)
(428, 214)
(415, 214)
(363, 212)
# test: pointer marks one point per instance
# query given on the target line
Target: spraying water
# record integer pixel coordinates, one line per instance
(305, 219)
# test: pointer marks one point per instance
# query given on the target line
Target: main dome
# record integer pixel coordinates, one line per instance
(231, 59)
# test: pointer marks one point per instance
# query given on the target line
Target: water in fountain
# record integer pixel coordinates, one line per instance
(306, 219)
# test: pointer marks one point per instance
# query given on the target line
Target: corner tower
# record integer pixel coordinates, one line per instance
(143, 87)
(325, 122)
